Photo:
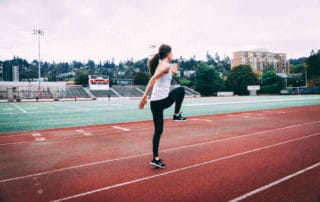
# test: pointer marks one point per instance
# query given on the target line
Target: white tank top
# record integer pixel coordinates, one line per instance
(161, 88)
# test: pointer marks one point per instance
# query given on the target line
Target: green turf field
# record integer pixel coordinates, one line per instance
(33, 115)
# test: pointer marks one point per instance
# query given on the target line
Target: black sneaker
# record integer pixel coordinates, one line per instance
(179, 117)
(158, 163)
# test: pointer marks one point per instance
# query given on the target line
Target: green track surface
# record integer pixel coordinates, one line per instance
(42, 115)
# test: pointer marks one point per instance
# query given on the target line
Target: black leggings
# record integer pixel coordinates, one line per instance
(176, 95)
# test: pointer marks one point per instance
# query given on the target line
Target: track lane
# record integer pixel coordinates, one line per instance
(84, 179)
(100, 148)
(44, 156)
(301, 188)
(220, 181)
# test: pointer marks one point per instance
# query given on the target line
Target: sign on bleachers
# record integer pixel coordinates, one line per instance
(98, 82)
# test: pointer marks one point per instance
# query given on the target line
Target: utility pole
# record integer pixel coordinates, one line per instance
(38, 32)
(306, 77)
(287, 63)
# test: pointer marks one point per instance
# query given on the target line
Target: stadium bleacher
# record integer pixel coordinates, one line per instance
(68, 92)
(128, 91)
(49, 90)
(103, 93)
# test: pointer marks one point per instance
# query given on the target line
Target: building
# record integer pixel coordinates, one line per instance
(188, 73)
(125, 82)
(10, 73)
(260, 60)
(7, 72)
(15, 73)
(1, 71)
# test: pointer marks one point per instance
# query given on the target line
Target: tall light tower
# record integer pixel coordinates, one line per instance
(38, 32)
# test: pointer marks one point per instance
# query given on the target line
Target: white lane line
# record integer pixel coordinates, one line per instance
(24, 111)
(267, 186)
(36, 134)
(205, 120)
(249, 102)
(40, 191)
(121, 128)
(146, 154)
(182, 169)
(274, 112)
(245, 117)
(39, 139)
(85, 133)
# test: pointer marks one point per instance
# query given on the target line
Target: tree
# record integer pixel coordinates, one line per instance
(298, 68)
(207, 80)
(271, 82)
(186, 82)
(91, 65)
(141, 78)
(313, 63)
(270, 77)
(239, 78)
(76, 64)
(82, 79)
(297, 60)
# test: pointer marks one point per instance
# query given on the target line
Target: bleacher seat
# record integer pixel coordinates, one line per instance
(128, 91)
(103, 93)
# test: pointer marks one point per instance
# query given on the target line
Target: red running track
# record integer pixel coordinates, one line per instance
(270, 155)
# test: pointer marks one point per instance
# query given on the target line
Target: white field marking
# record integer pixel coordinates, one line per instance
(267, 186)
(231, 115)
(55, 119)
(40, 191)
(78, 108)
(274, 112)
(205, 120)
(24, 111)
(248, 102)
(182, 169)
(56, 139)
(36, 134)
(121, 128)
(61, 111)
(39, 139)
(85, 133)
(146, 154)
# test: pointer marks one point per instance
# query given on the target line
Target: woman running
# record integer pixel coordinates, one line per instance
(161, 97)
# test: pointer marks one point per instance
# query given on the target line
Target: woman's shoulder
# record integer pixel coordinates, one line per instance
(165, 65)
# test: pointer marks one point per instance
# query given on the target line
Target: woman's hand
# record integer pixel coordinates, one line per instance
(174, 68)
(143, 101)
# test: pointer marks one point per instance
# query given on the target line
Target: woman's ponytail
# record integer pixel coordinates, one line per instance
(153, 63)
(164, 50)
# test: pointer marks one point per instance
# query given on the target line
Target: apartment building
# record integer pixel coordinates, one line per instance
(10, 73)
(260, 60)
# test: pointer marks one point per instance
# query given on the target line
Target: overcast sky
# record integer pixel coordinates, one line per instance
(103, 29)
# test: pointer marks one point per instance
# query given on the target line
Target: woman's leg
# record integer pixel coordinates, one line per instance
(176, 95)
(157, 113)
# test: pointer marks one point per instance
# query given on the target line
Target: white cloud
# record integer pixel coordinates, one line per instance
(123, 29)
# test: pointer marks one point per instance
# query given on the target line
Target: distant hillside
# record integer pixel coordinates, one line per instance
(298, 60)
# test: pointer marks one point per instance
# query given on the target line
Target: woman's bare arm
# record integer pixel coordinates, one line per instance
(162, 69)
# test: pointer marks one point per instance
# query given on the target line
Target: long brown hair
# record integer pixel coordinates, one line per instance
(164, 50)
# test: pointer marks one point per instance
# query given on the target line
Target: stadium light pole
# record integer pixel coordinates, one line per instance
(38, 32)
(287, 74)
(306, 77)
